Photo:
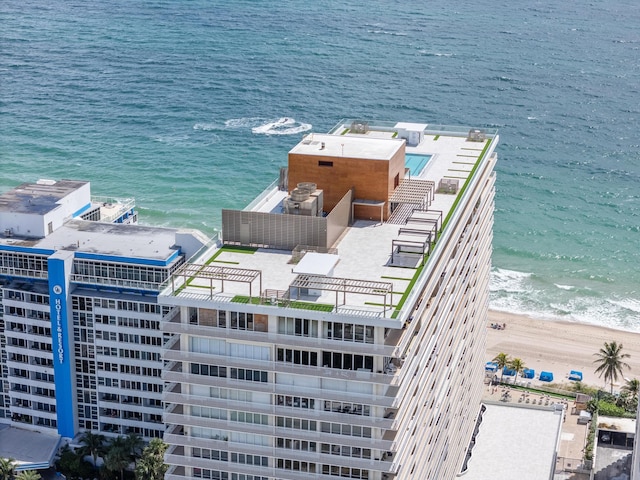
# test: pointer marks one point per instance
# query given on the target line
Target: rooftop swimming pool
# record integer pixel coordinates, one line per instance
(416, 163)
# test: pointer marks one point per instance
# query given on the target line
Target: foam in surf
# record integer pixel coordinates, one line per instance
(282, 126)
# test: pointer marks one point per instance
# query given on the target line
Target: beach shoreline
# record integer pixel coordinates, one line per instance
(559, 346)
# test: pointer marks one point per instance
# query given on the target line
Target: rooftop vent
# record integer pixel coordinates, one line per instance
(359, 127)
(448, 185)
(299, 195)
(476, 135)
(308, 186)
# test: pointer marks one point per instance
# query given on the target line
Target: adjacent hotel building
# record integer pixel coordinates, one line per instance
(80, 333)
(337, 330)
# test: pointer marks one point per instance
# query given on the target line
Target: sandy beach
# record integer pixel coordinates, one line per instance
(558, 346)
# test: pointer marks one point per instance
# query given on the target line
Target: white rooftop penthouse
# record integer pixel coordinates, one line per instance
(35, 210)
(353, 291)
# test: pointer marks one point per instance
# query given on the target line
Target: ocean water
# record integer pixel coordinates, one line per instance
(192, 107)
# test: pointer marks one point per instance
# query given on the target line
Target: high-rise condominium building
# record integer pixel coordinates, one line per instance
(337, 330)
(79, 318)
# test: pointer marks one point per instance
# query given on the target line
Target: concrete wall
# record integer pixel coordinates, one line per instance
(339, 218)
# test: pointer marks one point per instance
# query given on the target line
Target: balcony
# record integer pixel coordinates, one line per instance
(114, 282)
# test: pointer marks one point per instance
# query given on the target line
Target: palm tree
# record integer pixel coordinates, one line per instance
(151, 465)
(156, 447)
(117, 458)
(631, 389)
(28, 475)
(93, 444)
(501, 360)
(610, 362)
(135, 445)
(7, 468)
(517, 365)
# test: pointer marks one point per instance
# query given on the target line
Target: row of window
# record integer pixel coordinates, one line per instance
(224, 456)
(345, 429)
(347, 361)
(26, 313)
(28, 297)
(233, 415)
(286, 325)
(225, 372)
(218, 475)
(292, 444)
(297, 357)
(350, 332)
(344, 361)
(143, 307)
(120, 271)
(23, 261)
(128, 322)
(347, 407)
(345, 450)
(138, 354)
(293, 401)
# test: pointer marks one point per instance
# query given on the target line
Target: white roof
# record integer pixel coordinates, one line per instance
(412, 127)
(515, 442)
(317, 264)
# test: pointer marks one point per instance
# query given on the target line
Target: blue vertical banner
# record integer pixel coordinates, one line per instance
(59, 269)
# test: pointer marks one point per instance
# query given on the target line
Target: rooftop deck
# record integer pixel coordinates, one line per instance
(364, 250)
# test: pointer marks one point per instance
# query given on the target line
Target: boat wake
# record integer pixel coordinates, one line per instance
(282, 126)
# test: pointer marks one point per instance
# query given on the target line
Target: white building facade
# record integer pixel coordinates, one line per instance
(79, 318)
(349, 341)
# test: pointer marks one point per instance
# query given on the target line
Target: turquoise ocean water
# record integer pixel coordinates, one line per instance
(192, 106)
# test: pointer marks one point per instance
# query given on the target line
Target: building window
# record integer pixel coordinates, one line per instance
(347, 361)
(250, 459)
(297, 326)
(249, 417)
(296, 465)
(324, 163)
(297, 402)
(242, 321)
(345, 472)
(297, 423)
(292, 444)
(297, 357)
(350, 332)
(345, 429)
(345, 451)
(346, 407)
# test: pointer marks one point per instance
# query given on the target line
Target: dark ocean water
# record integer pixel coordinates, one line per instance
(176, 103)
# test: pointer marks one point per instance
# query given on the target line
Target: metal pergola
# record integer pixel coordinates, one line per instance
(193, 272)
(414, 191)
(344, 286)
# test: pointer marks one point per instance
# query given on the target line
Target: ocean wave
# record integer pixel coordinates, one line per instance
(282, 126)
(565, 287)
(245, 122)
(205, 126)
(428, 53)
(186, 141)
(573, 304)
(269, 126)
(630, 304)
(509, 281)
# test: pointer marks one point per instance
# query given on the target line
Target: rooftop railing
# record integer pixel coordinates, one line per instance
(432, 129)
(266, 194)
(123, 204)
